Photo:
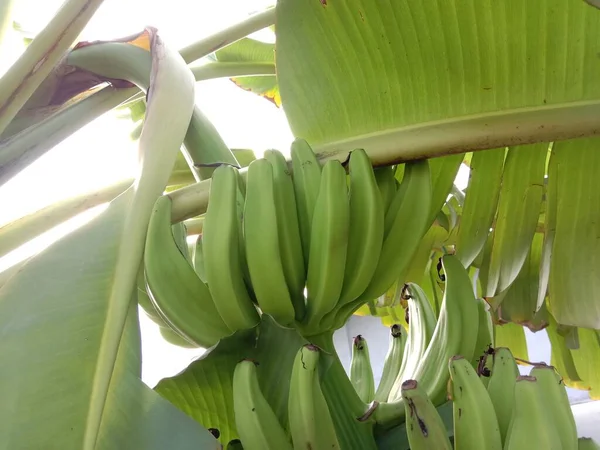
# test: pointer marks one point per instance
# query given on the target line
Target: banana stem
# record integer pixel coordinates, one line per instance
(228, 36)
(213, 70)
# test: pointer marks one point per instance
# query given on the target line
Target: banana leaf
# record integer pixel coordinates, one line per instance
(403, 79)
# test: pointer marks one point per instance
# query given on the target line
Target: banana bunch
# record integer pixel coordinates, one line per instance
(309, 426)
(512, 413)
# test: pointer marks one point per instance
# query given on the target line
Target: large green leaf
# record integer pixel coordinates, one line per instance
(479, 73)
(204, 390)
(518, 212)
(70, 342)
(485, 178)
(574, 282)
(54, 316)
(251, 50)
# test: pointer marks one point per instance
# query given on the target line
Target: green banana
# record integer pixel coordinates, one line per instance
(485, 335)
(424, 426)
(261, 236)
(328, 247)
(421, 325)
(172, 337)
(586, 443)
(475, 423)
(408, 215)
(307, 180)
(220, 244)
(290, 244)
(361, 373)
(501, 387)
(256, 423)
(198, 259)
(386, 183)
(485, 179)
(529, 422)
(180, 235)
(392, 363)
(310, 422)
(557, 404)
(484, 367)
(178, 295)
(366, 227)
(455, 334)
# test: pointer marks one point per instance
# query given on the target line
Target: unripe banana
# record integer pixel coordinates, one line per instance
(424, 426)
(366, 227)
(455, 334)
(179, 296)
(421, 325)
(485, 335)
(361, 373)
(392, 363)
(310, 422)
(198, 259)
(172, 337)
(557, 403)
(256, 423)
(529, 423)
(220, 243)
(180, 236)
(386, 183)
(261, 236)
(407, 216)
(475, 424)
(290, 244)
(307, 180)
(501, 387)
(328, 246)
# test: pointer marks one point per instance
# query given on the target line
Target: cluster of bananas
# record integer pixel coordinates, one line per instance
(306, 247)
(310, 423)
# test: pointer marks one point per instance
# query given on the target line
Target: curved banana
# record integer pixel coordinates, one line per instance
(179, 296)
(366, 227)
(424, 426)
(221, 249)
(310, 422)
(328, 247)
(475, 424)
(307, 180)
(529, 422)
(261, 236)
(406, 222)
(455, 334)
(557, 403)
(290, 244)
(386, 183)
(361, 373)
(180, 235)
(172, 337)
(198, 259)
(256, 423)
(421, 325)
(392, 363)
(485, 335)
(501, 387)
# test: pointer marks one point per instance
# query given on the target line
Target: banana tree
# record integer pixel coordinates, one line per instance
(507, 88)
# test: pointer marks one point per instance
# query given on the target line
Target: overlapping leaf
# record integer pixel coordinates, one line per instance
(251, 50)
(517, 217)
(574, 282)
(485, 177)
